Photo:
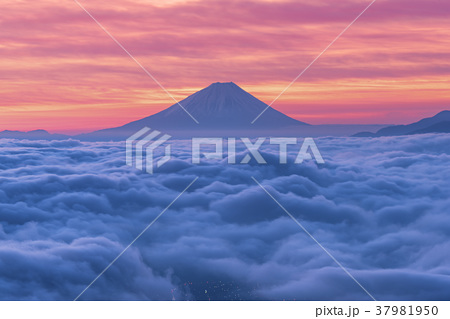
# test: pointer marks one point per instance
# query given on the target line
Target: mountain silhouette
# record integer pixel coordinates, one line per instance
(220, 107)
(33, 135)
(440, 123)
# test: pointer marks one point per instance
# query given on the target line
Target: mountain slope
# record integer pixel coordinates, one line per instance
(441, 127)
(440, 123)
(219, 107)
(417, 126)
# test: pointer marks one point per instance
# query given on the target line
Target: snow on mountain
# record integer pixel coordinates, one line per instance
(223, 107)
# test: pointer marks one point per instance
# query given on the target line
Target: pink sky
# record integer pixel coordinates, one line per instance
(62, 73)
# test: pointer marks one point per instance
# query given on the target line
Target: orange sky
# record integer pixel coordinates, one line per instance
(62, 73)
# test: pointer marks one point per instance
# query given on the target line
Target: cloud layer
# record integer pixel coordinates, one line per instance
(380, 206)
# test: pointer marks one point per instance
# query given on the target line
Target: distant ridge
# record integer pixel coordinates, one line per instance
(222, 110)
(440, 123)
(33, 135)
(220, 107)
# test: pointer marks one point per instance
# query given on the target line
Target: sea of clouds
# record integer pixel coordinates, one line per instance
(379, 206)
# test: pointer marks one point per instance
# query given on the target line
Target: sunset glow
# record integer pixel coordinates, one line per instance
(62, 73)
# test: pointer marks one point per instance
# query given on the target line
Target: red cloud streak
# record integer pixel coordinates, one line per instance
(61, 72)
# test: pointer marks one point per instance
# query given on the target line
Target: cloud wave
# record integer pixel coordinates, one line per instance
(380, 206)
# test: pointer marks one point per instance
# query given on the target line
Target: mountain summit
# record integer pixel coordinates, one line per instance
(223, 107)
(226, 105)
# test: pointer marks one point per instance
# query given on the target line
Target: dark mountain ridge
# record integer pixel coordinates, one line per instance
(440, 123)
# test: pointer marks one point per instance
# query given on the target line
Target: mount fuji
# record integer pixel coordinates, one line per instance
(222, 108)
